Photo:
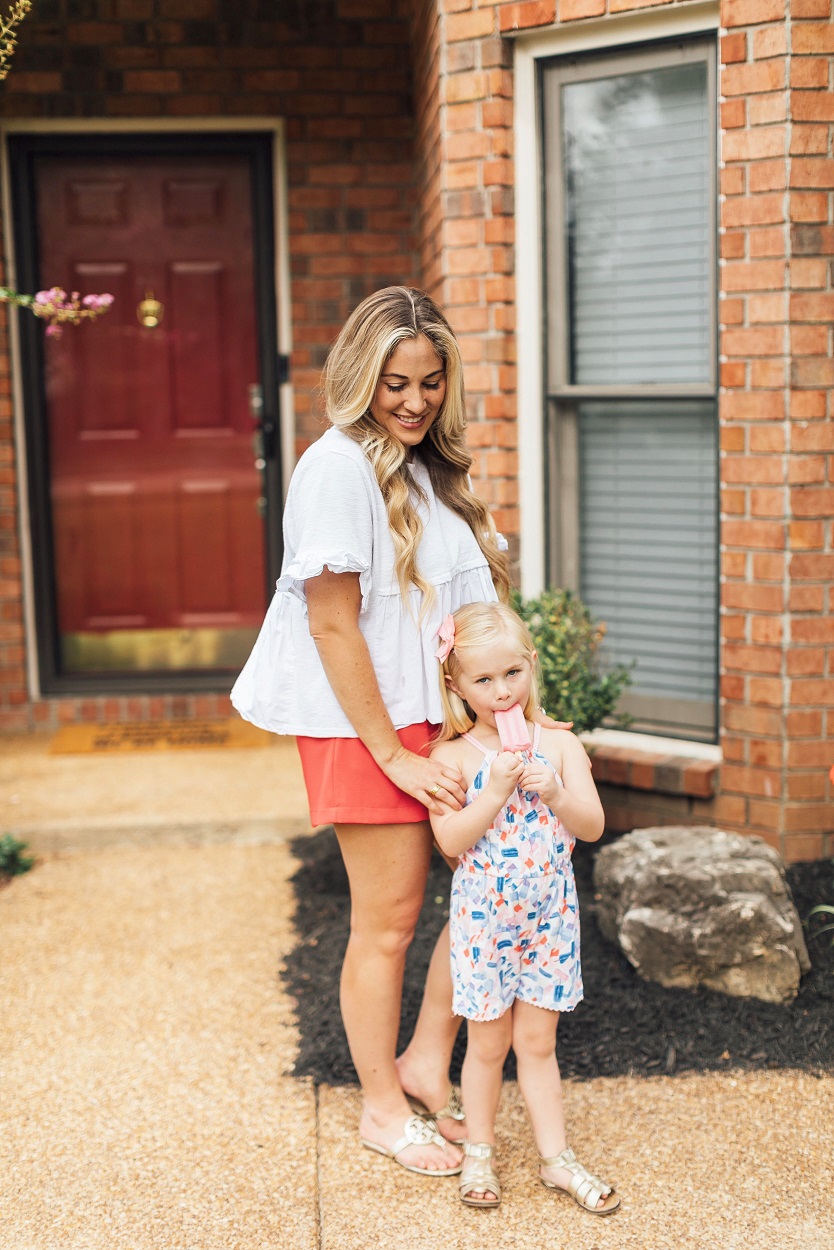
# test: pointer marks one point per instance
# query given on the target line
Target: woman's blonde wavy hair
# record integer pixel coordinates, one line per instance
(351, 375)
(482, 625)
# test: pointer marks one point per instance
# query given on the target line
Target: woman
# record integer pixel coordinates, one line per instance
(383, 538)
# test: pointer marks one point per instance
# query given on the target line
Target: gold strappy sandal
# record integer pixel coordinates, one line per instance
(452, 1111)
(585, 1188)
(417, 1131)
(478, 1176)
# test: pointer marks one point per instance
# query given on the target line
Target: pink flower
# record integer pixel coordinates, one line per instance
(446, 634)
(53, 331)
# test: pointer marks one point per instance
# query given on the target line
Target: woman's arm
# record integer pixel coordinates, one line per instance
(456, 831)
(576, 803)
(333, 604)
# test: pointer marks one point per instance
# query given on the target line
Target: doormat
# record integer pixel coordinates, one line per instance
(159, 735)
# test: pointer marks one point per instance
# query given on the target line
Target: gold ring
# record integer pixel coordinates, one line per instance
(433, 791)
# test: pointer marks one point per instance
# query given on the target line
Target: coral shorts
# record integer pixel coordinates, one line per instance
(346, 786)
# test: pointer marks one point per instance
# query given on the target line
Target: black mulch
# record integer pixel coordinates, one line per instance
(624, 1026)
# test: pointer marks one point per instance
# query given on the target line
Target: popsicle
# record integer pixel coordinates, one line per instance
(512, 730)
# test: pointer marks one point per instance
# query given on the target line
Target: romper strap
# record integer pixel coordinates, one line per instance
(478, 745)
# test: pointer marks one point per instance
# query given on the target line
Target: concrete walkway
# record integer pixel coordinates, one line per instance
(146, 1046)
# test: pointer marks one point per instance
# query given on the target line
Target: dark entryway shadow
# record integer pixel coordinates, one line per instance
(625, 1026)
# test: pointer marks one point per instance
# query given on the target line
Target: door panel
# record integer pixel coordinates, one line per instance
(158, 530)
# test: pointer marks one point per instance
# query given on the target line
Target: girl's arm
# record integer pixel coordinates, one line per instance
(576, 803)
(333, 604)
(456, 831)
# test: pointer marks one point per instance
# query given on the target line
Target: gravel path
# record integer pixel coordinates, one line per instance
(146, 1037)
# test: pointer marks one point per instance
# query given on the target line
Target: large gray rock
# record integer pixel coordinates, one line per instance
(696, 906)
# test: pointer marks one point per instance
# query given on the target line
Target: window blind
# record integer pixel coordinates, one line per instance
(636, 153)
(647, 550)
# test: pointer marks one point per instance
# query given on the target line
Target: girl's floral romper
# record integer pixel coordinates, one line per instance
(514, 911)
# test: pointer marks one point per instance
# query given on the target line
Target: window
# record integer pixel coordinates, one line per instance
(631, 366)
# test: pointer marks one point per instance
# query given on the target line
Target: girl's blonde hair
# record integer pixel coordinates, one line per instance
(351, 375)
(482, 625)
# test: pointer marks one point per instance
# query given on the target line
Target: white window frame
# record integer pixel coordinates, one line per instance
(531, 49)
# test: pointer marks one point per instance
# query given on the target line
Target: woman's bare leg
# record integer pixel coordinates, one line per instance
(424, 1064)
(387, 866)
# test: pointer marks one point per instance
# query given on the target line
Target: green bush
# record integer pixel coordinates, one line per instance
(567, 639)
(12, 860)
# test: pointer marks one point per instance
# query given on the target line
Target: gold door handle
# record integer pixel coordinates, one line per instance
(149, 311)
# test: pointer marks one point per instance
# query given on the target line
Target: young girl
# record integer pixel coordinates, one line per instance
(514, 912)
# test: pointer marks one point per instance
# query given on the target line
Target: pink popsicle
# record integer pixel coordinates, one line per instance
(512, 730)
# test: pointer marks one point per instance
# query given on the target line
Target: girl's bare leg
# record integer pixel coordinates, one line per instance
(487, 1045)
(387, 867)
(540, 1082)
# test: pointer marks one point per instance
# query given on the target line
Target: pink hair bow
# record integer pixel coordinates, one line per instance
(446, 634)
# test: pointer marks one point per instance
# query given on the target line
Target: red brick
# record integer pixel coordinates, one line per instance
(751, 12)
(813, 438)
(805, 599)
(813, 630)
(809, 72)
(767, 108)
(806, 535)
(765, 691)
(768, 176)
(733, 114)
(752, 406)
(812, 171)
(805, 691)
(808, 405)
(572, 10)
(803, 847)
(754, 210)
(765, 374)
(804, 724)
(810, 8)
(755, 144)
(733, 47)
(812, 307)
(811, 273)
(759, 275)
(810, 206)
(754, 534)
(526, 14)
(815, 38)
(755, 781)
(750, 597)
(806, 661)
(731, 180)
(474, 25)
(767, 241)
(812, 106)
(753, 76)
(807, 140)
(770, 41)
(812, 372)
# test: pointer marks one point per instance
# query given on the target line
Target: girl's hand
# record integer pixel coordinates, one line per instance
(540, 780)
(504, 774)
(541, 717)
(438, 786)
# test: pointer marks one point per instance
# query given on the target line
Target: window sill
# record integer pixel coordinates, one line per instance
(663, 765)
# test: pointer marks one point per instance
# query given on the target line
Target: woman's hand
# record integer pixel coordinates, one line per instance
(439, 786)
(541, 717)
(504, 774)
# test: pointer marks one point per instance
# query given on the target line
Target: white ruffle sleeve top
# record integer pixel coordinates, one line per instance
(335, 518)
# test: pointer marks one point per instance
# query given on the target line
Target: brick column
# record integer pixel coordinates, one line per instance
(809, 813)
(775, 424)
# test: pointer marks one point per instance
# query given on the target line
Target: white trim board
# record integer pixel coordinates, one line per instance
(531, 47)
(150, 125)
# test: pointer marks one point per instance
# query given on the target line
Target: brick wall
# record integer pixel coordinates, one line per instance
(339, 73)
(777, 237)
(777, 434)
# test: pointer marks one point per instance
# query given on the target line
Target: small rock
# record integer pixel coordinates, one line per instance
(696, 906)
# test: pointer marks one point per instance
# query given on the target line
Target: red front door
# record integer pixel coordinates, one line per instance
(158, 530)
